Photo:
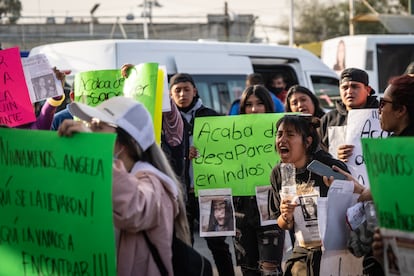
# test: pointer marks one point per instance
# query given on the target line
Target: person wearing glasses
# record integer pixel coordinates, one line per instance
(297, 142)
(355, 94)
(396, 107)
(396, 112)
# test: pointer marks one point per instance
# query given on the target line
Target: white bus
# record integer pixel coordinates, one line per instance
(218, 68)
(381, 56)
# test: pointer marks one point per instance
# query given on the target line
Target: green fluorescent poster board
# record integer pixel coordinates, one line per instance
(94, 87)
(56, 204)
(236, 152)
(145, 84)
(390, 165)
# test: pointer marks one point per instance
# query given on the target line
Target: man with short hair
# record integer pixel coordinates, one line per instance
(355, 93)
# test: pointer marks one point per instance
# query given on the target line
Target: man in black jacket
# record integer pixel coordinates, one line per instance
(355, 93)
(183, 92)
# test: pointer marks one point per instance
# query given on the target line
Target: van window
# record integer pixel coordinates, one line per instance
(393, 59)
(369, 60)
(268, 71)
(219, 91)
(327, 90)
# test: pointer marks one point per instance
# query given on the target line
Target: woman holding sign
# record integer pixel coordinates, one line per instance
(147, 199)
(298, 143)
(259, 249)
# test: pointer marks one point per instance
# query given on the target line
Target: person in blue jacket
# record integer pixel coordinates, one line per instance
(252, 79)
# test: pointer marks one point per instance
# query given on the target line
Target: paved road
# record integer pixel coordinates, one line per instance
(201, 246)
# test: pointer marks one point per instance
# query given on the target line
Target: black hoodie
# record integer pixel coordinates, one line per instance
(339, 116)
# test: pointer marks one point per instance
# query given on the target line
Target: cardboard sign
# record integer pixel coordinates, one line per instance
(236, 152)
(56, 203)
(15, 105)
(94, 87)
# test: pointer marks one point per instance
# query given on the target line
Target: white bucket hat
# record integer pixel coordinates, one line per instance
(123, 112)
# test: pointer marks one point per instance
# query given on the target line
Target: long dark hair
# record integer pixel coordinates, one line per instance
(156, 157)
(260, 92)
(301, 89)
(228, 211)
(403, 93)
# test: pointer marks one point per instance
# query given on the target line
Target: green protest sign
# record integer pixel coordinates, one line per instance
(55, 203)
(94, 87)
(236, 152)
(141, 85)
(390, 165)
(145, 84)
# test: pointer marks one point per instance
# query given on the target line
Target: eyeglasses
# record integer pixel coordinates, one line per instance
(383, 101)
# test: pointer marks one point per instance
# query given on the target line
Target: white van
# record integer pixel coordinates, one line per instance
(381, 56)
(219, 69)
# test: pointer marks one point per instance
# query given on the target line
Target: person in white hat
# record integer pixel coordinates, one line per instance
(145, 193)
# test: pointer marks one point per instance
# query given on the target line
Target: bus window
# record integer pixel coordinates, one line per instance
(327, 90)
(219, 91)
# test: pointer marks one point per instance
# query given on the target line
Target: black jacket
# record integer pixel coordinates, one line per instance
(201, 111)
(338, 117)
(302, 176)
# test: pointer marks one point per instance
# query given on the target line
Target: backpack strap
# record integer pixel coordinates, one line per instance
(155, 255)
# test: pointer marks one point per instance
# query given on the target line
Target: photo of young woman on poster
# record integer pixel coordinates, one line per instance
(309, 208)
(221, 215)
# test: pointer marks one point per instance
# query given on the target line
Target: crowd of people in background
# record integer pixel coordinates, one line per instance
(142, 168)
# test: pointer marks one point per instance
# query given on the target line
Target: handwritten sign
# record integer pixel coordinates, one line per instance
(94, 87)
(236, 152)
(145, 84)
(390, 165)
(55, 204)
(15, 105)
(362, 123)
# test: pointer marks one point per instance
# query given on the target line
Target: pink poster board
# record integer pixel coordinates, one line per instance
(15, 105)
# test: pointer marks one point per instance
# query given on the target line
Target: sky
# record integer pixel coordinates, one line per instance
(270, 12)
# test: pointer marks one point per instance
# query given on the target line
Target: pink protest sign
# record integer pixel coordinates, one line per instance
(15, 105)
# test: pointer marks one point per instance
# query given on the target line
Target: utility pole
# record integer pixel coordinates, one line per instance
(291, 25)
(351, 17)
(226, 22)
(147, 13)
(145, 16)
(92, 11)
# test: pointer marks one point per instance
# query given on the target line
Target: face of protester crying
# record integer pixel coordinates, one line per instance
(291, 146)
(183, 94)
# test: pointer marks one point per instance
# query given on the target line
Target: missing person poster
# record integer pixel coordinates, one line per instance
(40, 78)
(262, 198)
(216, 213)
(56, 204)
(306, 220)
